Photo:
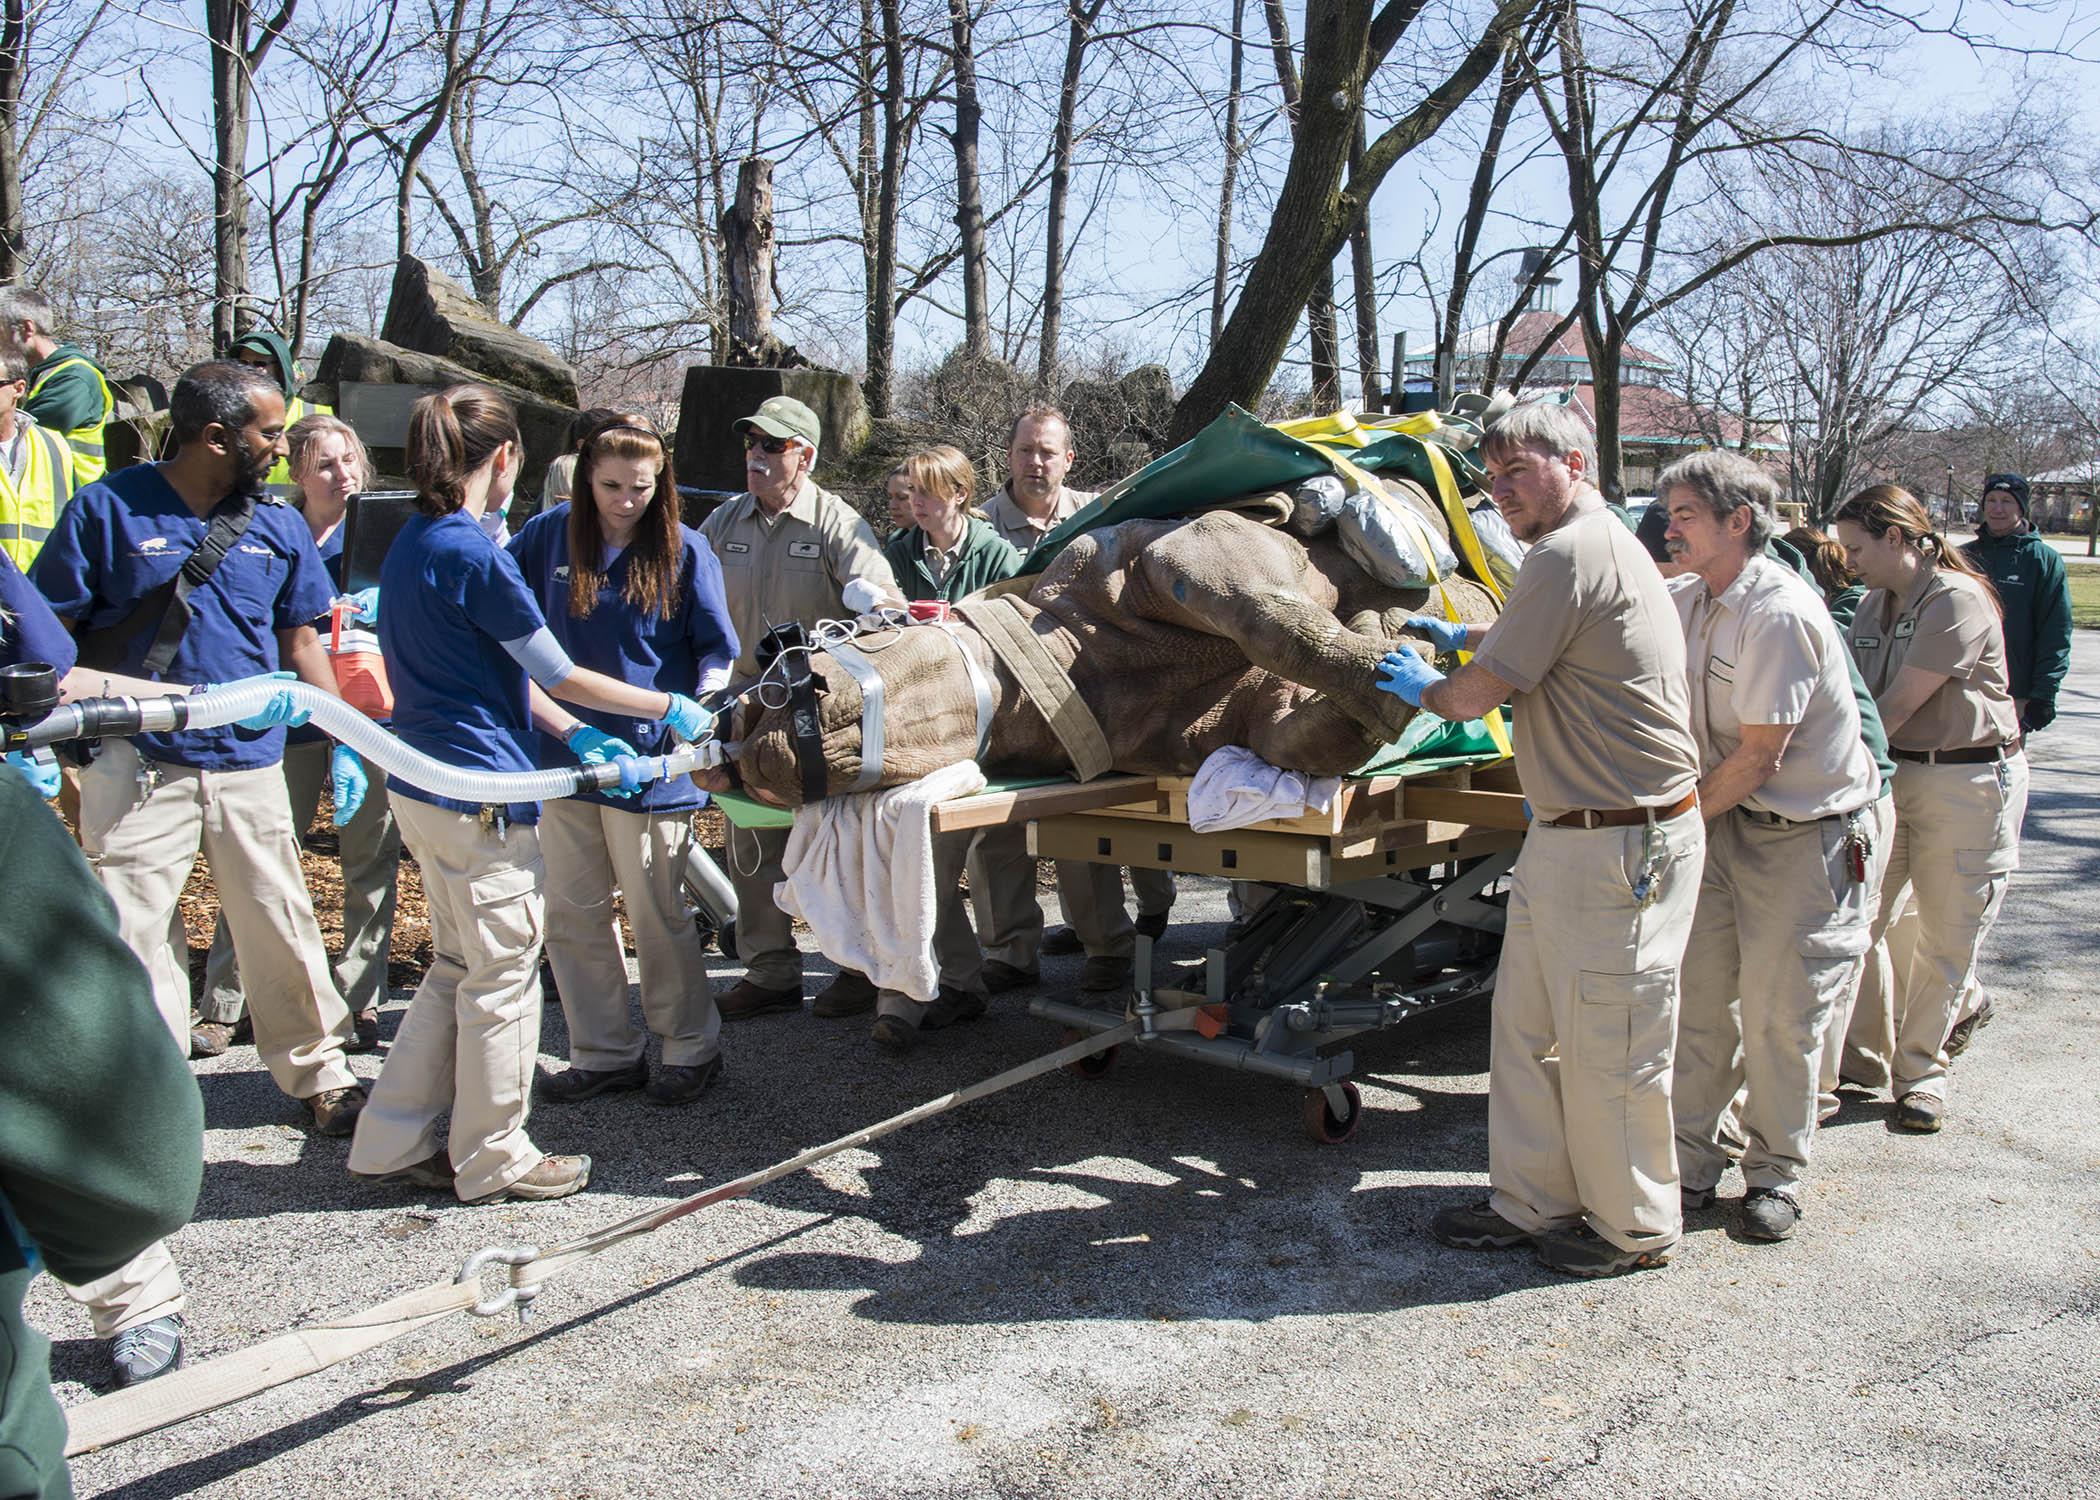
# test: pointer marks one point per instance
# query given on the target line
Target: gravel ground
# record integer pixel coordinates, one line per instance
(1154, 1284)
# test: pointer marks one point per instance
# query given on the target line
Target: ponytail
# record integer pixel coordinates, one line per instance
(452, 435)
(1880, 507)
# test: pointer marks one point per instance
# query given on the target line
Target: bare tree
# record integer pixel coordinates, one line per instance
(1234, 145)
(1080, 16)
(238, 47)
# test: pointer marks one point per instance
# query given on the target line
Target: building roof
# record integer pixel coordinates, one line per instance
(1531, 330)
(2081, 475)
(1649, 414)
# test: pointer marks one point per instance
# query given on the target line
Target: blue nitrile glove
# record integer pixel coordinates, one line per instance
(366, 602)
(1447, 635)
(279, 710)
(686, 718)
(594, 747)
(1406, 676)
(41, 774)
(346, 776)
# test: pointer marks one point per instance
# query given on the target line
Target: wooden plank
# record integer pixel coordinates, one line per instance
(992, 809)
(1242, 854)
(1403, 858)
(1481, 809)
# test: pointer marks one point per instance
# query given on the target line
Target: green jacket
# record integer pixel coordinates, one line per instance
(269, 341)
(65, 400)
(101, 1128)
(986, 559)
(2036, 595)
(1871, 733)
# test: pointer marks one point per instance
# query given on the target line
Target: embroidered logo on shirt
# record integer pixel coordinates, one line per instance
(254, 551)
(153, 546)
(804, 549)
(561, 570)
(1905, 629)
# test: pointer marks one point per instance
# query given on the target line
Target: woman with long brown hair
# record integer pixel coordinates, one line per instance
(632, 592)
(475, 670)
(1928, 642)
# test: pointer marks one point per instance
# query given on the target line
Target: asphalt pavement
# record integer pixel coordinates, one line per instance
(1153, 1283)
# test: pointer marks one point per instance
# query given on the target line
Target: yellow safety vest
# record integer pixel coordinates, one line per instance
(279, 480)
(90, 461)
(29, 507)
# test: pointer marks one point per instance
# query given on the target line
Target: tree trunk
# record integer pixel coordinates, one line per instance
(484, 260)
(747, 251)
(1235, 66)
(1081, 19)
(1364, 291)
(1478, 197)
(1606, 406)
(14, 64)
(419, 142)
(969, 196)
(1326, 342)
(882, 295)
(226, 28)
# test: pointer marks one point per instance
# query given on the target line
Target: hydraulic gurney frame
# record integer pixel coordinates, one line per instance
(1382, 910)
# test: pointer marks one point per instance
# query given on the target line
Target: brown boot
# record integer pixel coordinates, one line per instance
(743, 1000)
(335, 1111)
(433, 1171)
(851, 994)
(553, 1177)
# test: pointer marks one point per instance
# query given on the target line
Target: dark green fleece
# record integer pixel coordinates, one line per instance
(1871, 734)
(101, 1125)
(986, 559)
(2036, 595)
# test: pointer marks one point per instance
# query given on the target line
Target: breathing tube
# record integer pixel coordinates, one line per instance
(32, 718)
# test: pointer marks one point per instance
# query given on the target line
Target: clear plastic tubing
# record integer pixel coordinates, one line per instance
(223, 705)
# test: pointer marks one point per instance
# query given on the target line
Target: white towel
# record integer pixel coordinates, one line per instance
(859, 870)
(1236, 787)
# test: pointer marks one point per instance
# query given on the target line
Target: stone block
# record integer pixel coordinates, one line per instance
(353, 359)
(431, 313)
(710, 455)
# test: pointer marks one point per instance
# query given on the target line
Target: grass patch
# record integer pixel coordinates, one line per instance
(2085, 597)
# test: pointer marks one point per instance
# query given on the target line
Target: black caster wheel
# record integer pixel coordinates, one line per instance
(1327, 1125)
(1089, 1067)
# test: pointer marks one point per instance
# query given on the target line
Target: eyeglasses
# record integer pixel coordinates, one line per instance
(770, 444)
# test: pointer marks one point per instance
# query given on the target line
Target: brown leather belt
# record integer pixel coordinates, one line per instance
(1624, 817)
(1974, 755)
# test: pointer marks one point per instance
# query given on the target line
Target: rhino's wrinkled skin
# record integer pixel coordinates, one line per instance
(1182, 636)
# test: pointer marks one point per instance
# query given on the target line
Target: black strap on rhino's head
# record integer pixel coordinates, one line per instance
(791, 642)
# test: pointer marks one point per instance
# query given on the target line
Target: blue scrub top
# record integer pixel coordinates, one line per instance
(449, 597)
(123, 537)
(666, 655)
(30, 632)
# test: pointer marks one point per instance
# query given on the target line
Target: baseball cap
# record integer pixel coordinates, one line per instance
(784, 417)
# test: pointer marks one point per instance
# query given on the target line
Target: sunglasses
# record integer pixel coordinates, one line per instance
(770, 444)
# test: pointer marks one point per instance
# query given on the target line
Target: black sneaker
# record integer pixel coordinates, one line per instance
(1920, 1113)
(1061, 942)
(851, 994)
(894, 1035)
(677, 1083)
(950, 1007)
(1104, 976)
(1475, 1226)
(1769, 1214)
(151, 1349)
(999, 976)
(1581, 1251)
(577, 1084)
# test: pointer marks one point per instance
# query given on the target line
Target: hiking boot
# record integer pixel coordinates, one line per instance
(682, 1083)
(1964, 1032)
(1475, 1226)
(1153, 924)
(999, 976)
(1920, 1112)
(1581, 1251)
(366, 1036)
(1769, 1214)
(211, 1038)
(153, 1348)
(1694, 1199)
(743, 1000)
(1061, 942)
(433, 1171)
(851, 994)
(335, 1111)
(576, 1084)
(1101, 976)
(551, 1177)
(951, 1006)
(894, 1035)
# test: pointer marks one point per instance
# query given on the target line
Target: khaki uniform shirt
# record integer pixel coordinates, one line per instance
(1591, 643)
(1021, 530)
(790, 566)
(1948, 624)
(1765, 651)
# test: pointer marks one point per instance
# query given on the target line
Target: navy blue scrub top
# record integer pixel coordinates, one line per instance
(30, 632)
(665, 655)
(122, 537)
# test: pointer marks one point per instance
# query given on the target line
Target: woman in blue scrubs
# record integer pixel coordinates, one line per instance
(475, 671)
(632, 592)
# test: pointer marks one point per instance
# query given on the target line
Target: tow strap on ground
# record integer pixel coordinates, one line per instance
(196, 1389)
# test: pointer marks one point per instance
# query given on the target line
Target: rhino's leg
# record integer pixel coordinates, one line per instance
(1250, 585)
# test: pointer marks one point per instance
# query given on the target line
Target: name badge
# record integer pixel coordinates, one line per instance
(1867, 642)
(736, 546)
(804, 549)
(1722, 671)
(1905, 629)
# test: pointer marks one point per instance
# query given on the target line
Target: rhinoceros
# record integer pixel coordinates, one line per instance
(1182, 636)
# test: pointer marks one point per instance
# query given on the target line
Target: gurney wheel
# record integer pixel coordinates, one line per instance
(1321, 1121)
(1089, 1067)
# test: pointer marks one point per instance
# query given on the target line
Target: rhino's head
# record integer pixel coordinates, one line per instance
(928, 714)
